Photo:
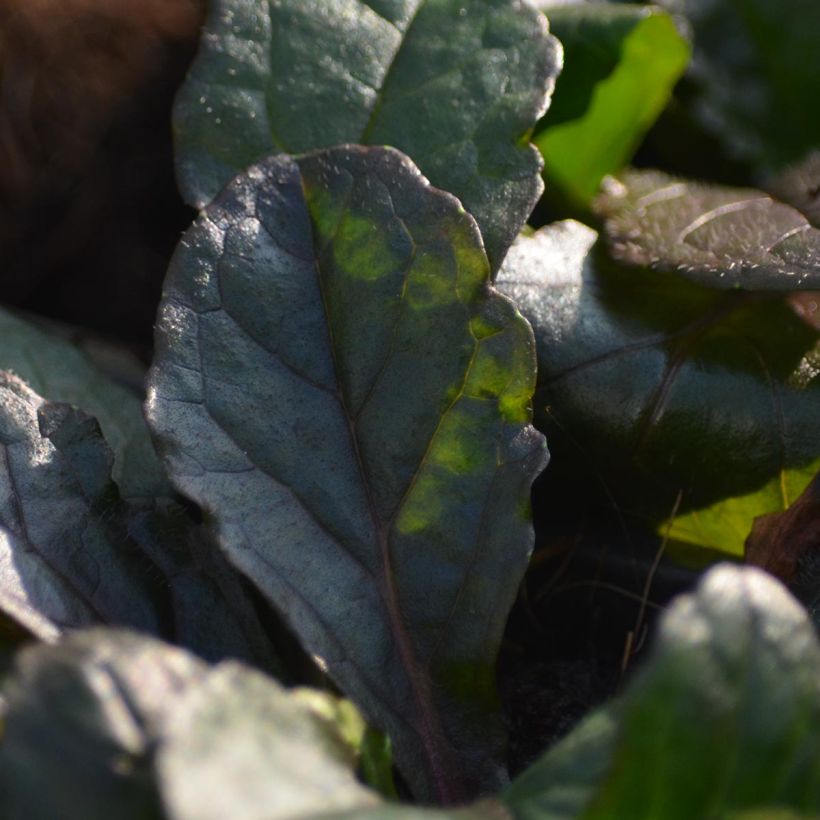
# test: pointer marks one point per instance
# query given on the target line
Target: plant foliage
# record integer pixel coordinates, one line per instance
(332, 484)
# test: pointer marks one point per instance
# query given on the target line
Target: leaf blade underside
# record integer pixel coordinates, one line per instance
(455, 85)
(338, 386)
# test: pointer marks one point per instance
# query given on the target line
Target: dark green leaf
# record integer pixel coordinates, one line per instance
(757, 68)
(620, 64)
(60, 372)
(81, 722)
(659, 385)
(212, 614)
(455, 84)
(341, 390)
(110, 724)
(723, 720)
(64, 560)
(717, 236)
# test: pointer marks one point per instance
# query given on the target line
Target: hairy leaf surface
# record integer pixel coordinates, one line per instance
(63, 561)
(717, 236)
(60, 372)
(455, 84)
(341, 390)
(620, 64)
(722, 720)
(658, 385)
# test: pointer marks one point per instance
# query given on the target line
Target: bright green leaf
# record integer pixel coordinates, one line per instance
(727, 523)
(347, 398)
(656, 385)
(722, 721)
(455, 84)
(620, 65)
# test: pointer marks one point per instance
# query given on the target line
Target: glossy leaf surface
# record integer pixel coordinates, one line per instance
(717, 236)
(454, 84)
(620, 64)
(757, 68)
(722, 720)
(347, 398)
(657, 385)
(60, 372)
(63, 561)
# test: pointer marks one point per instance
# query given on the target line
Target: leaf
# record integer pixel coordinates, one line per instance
(729, 522)
(64, 559)
(778, 541)
(723, 719)
(657, 385)
(81, 721)
(118, 725)
(339, 388)
(239, 746)
(73, 554)
(58, 371)
(756, 73)
(620, 65)
(717, 236)
(455, 84)
(212, 613)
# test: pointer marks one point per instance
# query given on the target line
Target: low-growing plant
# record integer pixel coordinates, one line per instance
(359, 347)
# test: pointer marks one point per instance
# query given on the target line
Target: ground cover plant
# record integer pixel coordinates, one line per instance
(411, 507)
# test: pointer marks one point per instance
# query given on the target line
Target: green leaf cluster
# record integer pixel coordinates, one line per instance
(359, 348)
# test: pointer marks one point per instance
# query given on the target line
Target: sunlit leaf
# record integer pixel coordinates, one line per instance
(718, 236)
(341, 390)
(620, 64)
(455, 84)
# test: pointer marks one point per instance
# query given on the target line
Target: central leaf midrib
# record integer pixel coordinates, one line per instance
(431, 732)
